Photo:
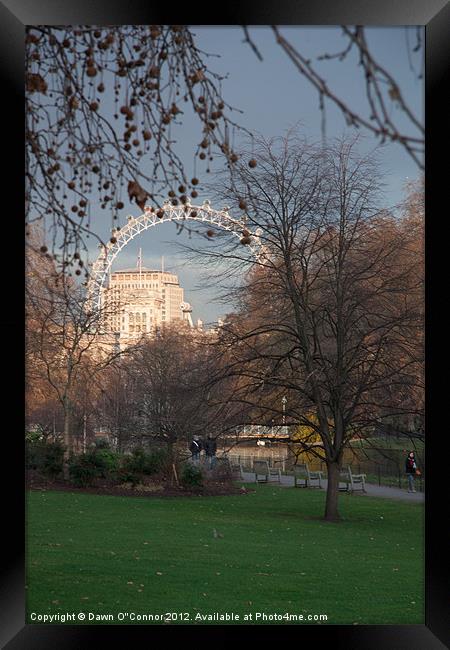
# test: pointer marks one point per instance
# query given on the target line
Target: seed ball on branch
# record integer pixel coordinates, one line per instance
(160, 213)
(252, 163)
(194, 181)
(245, 241)
(242, 204)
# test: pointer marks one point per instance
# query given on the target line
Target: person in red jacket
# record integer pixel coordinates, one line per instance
(410, 470)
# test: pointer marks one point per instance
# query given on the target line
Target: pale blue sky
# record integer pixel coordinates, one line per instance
(273, 97)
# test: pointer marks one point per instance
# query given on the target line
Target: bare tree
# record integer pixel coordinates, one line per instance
(168, 391)
(103, 103)
(389, 116)
(327, 314)
(65, 348)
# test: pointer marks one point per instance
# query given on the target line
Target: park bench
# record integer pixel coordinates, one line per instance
(349, 482)
(303, 477)
(236, 469)
(357, 481)
(262, 469)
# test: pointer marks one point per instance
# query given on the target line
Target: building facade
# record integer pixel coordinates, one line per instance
(140, 301)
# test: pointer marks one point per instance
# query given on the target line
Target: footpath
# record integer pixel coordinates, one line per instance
(371, 489)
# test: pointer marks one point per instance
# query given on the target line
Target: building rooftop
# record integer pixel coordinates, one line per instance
(143, 269)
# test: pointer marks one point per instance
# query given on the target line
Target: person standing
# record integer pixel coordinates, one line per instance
(195, 449)
(210, 451)
(410, 470)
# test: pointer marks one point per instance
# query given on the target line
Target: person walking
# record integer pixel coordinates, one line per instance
(210, 451)
(411, 470)
(195, 448)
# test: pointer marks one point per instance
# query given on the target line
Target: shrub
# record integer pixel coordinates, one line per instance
(141, 462)
(191, 476)
(105, 461)
(125, 475)
(53, 459)
(46, 457)
(82, 470)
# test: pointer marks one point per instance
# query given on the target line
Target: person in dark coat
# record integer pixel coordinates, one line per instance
(410, 470)
(195, 448)
(210, 451)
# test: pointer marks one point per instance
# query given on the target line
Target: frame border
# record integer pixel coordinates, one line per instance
(14, 16)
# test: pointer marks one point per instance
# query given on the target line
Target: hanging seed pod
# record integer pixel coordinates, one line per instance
(160, 213)
(252, 163)
(245, 241)
(194, 181)
(242, 204)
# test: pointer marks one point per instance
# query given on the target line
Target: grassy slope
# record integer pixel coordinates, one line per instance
(103, 554)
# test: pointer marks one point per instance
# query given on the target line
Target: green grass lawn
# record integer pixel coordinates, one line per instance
(107, 554)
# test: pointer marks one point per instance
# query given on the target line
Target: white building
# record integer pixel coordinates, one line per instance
(139, 301)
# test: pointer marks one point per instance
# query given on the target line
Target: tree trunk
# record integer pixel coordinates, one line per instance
(67, 441)
(331, 507)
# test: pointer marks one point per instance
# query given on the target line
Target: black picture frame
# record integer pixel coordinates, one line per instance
(14, 16)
